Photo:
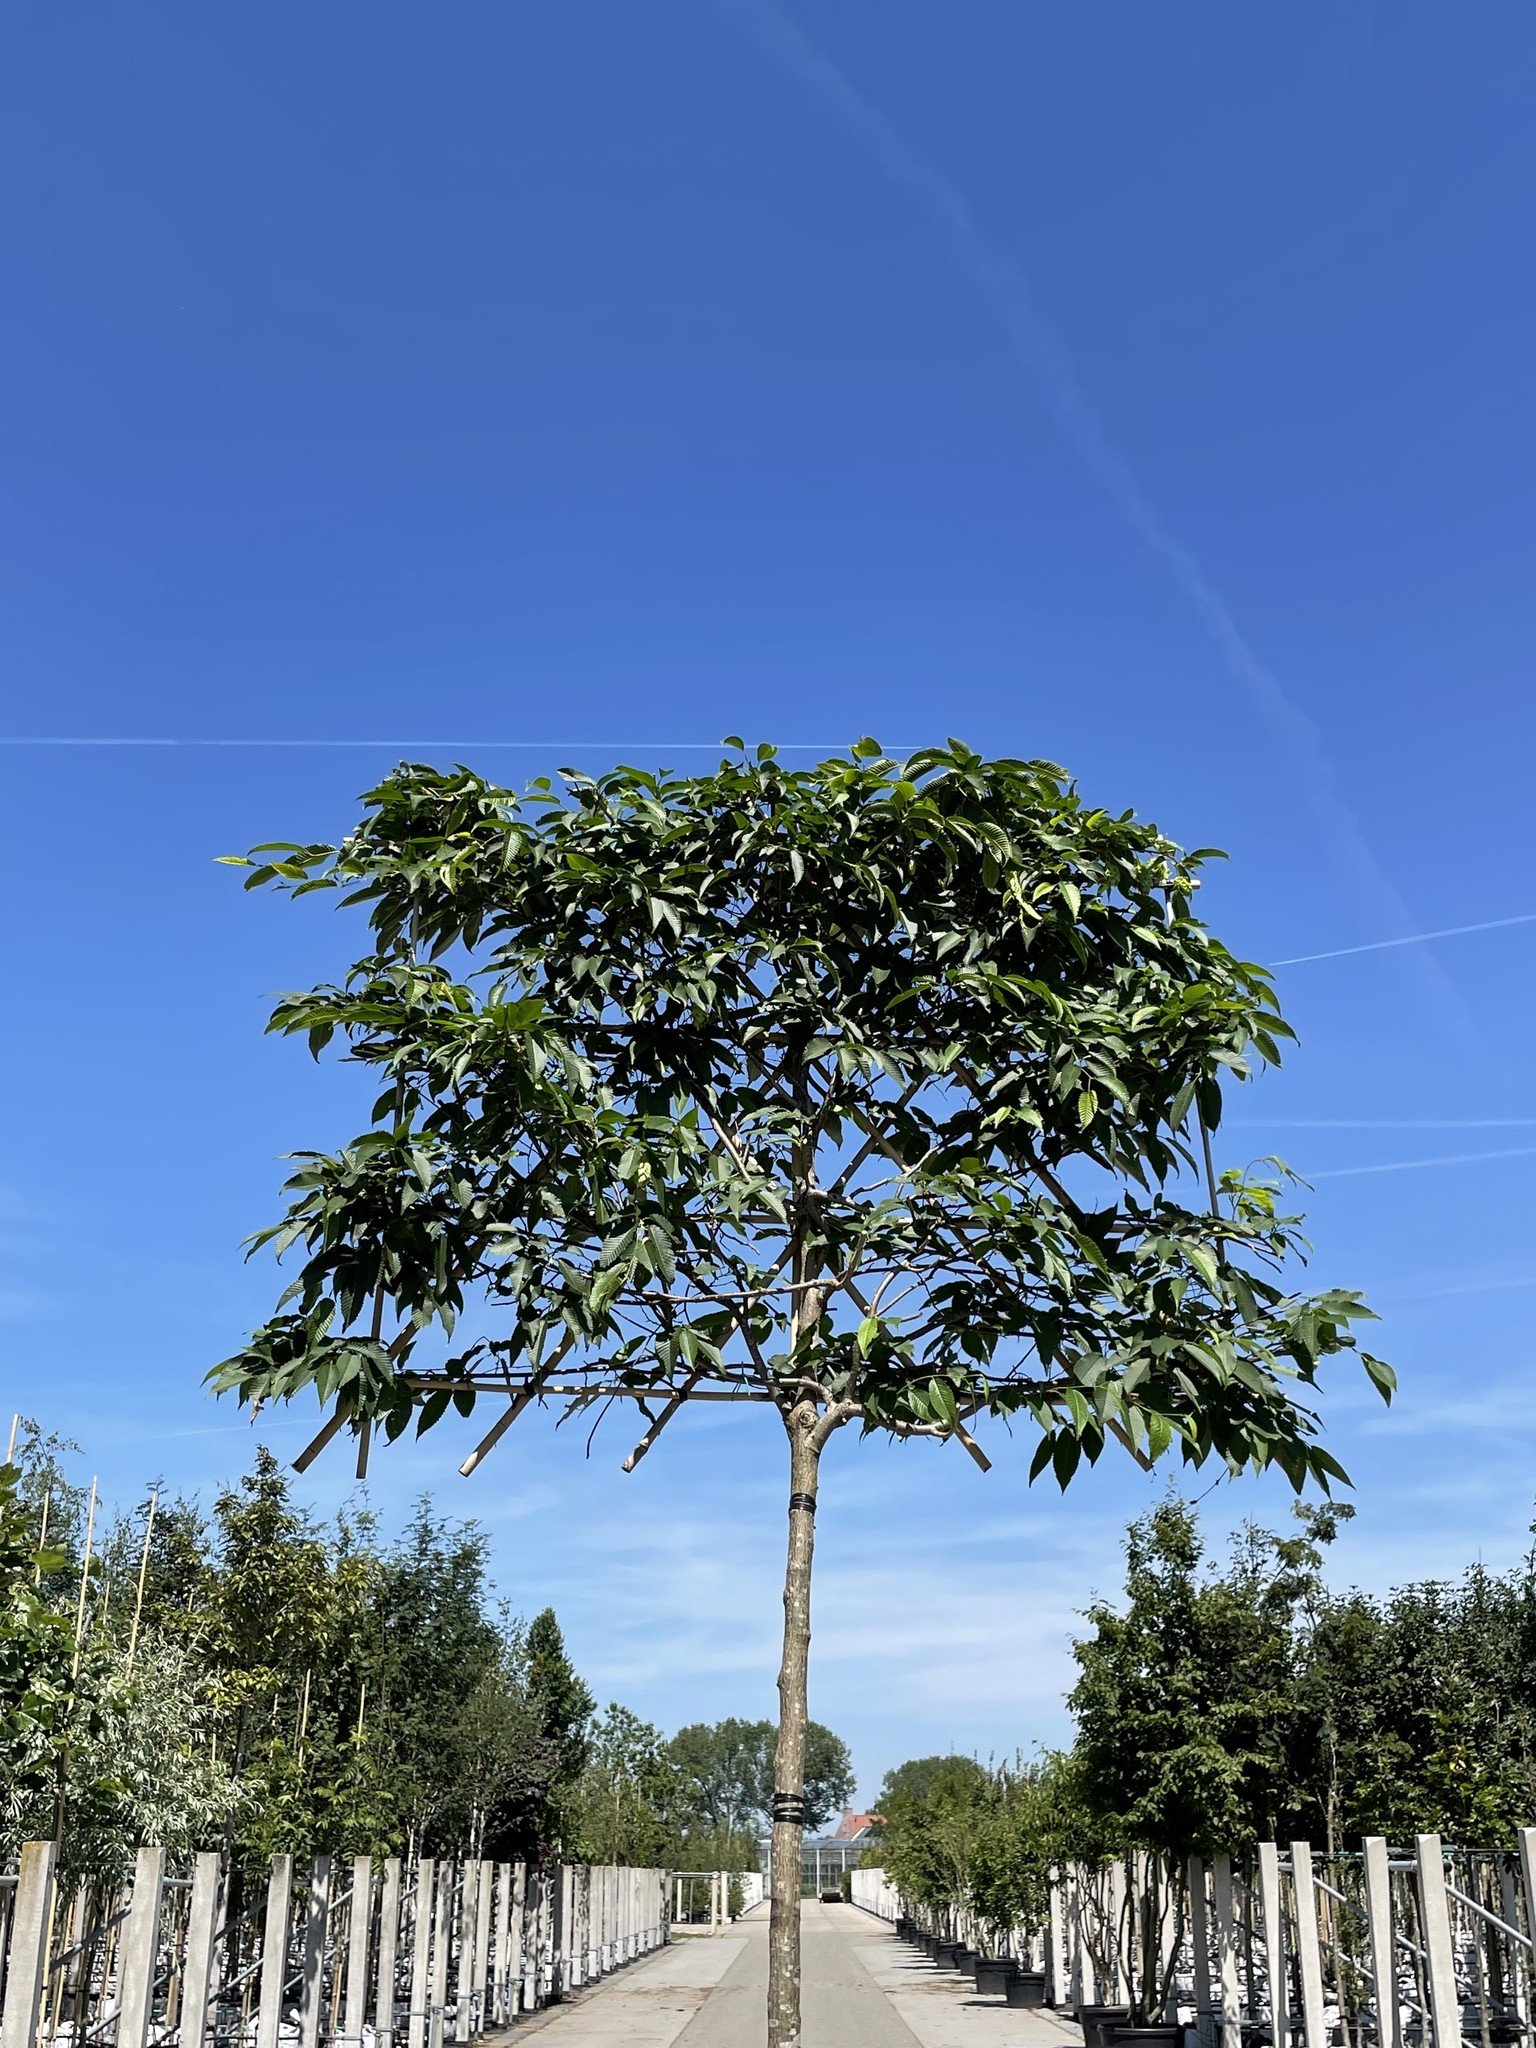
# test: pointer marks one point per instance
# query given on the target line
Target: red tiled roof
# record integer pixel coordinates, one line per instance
(854, 1824)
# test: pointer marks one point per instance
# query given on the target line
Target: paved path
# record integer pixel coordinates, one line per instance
(862, 1989)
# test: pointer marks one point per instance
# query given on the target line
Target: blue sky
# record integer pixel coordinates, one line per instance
(1144, 388)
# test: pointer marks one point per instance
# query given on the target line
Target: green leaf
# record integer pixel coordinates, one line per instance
(1380, 1374)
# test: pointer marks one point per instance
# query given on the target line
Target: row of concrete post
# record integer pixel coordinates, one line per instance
(409, 1955)
(1428, 1944)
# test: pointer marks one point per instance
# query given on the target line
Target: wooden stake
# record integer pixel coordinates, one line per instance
(317, 1443)
(659, 1424)
(973, 1447)
(497, 1430)
(138, 1598)
(515, 1406)
(85, 1573)
(10, 1449)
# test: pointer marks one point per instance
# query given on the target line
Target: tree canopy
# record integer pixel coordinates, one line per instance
(871, 1083)
(730, 1769)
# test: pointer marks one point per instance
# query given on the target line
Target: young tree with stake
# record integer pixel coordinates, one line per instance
(866, 1091)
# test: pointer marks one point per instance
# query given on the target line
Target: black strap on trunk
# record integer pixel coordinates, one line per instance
(789, 1806)
(804, 1502)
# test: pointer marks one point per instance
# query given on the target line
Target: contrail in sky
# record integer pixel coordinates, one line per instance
(1450, 931)
(1001, 281)
(1410, 1165)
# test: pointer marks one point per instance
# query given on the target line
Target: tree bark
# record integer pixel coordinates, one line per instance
(789, 1770)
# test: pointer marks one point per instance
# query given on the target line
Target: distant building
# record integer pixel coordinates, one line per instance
(824, 1858)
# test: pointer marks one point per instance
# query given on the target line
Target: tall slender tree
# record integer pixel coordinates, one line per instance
(868, 1091)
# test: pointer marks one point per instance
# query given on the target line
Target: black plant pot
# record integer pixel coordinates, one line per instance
(966, 1960)
(993, 1976)
(944, 1953)
(1165, 2036)
(1027, 1987)
(1098, 2021)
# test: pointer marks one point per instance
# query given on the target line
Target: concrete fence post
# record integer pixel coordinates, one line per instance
(464, 1979)
(538, 1929)
(202, 1934)
(519, 1944)
(136, 1966)
(560, 1911)
(29, 1946)
(501, 1976)
(1274, 1944)
(421, 1954)
(1378, 1922)
(274, 1953)
(1525, 1968)
(317, 1908)
(1444, 2004)
(1227, 1953)
(359, 1927)
(484, 1901)
(388, 1953)
(442, 1942)
(1309, 1952)
(1200, 1949)
(581, 1926)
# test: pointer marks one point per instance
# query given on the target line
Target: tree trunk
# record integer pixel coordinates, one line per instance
(789, 1769)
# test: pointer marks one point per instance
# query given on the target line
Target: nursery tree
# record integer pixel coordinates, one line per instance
(868, 1091)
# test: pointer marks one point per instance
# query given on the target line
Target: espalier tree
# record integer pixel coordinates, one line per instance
(869, 1091)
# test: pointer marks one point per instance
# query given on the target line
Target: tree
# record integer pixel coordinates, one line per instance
(37, 1683)
(628, 1803)
(730, 1772)
(931, 1812)
(954, 1831)
(871, 1091)
(561, 1707)
(828, 1772)
(716, 1763)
